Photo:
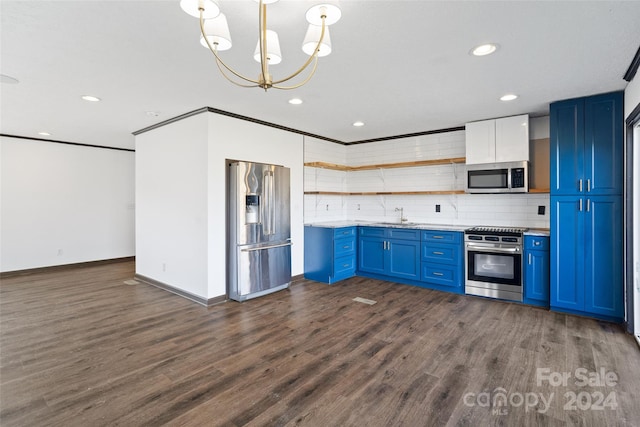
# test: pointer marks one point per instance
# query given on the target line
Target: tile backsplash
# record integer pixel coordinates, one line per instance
(459, 209)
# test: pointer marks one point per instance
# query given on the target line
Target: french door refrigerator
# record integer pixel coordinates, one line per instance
(259, 229)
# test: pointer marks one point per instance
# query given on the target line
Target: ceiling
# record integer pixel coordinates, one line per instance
(399, 66)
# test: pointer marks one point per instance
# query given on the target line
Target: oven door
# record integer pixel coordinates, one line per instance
(494, 271)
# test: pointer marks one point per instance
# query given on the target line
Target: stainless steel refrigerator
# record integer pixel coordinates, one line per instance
(259, 229)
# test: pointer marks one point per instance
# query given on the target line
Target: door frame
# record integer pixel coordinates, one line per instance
(629, 256)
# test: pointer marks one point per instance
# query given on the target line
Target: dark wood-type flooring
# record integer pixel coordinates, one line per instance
(81, 348)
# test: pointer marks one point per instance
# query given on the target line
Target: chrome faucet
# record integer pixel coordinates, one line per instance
(402, 218)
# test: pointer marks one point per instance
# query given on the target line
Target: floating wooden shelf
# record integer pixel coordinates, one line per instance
(435, 162)
(382, 193)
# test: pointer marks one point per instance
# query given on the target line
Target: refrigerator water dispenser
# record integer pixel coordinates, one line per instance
(252, 206)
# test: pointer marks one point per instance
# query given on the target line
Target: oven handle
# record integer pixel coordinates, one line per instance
(492, 249)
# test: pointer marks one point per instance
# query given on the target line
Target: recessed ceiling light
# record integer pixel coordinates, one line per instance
(295, 101)
(44, 133)
(8, 79)
(90, 98)
(508, 97)
(484, 49)
(358, 124)
(152, 113)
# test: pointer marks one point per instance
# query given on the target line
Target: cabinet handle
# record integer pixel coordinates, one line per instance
(589, 185)
(580, 205)
(438, 253)
(345, 247)
(435, 273)
(529, 259)
(588, 205)
(536, 243)
(438, 237)
(580, 185)
(345, 265)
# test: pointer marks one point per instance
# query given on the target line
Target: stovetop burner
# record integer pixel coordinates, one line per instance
(496, 231)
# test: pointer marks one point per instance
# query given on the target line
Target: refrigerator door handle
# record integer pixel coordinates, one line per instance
(261, 248)
(269, 206)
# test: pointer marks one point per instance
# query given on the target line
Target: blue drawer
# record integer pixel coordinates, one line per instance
(444, 254)
(373, 231)
(344, 267)
(536, 243)
(344, 232)
(344, 246)
(441, 236)
(441, 274)
(403, 233)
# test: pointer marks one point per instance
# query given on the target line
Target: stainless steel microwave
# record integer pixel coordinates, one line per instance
(508, 177)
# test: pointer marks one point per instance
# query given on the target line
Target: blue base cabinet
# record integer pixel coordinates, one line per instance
(429, 259)
(442, 258)
(586, 206)
(329, 253)
(536, 270)
(390, 251)
(586, 256)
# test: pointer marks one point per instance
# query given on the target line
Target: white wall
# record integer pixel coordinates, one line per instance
(461, 209)
(231, 138)
(171, 204)
(64, 204)
(181, 196)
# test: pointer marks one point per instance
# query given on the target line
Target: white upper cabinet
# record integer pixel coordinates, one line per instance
(498, 140)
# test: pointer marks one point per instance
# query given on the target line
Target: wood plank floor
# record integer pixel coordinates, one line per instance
(81, 348)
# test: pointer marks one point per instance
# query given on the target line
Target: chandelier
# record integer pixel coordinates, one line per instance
(216, 36)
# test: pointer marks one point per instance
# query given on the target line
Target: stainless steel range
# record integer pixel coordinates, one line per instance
(493, 262)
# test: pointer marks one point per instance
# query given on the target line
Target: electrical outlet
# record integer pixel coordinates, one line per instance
(437, 208)
(541, 210)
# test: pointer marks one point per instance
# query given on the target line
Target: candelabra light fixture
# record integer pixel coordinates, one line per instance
(215, 35)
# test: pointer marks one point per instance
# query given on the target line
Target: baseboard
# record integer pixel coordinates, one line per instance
(63, 267)
(195, 298)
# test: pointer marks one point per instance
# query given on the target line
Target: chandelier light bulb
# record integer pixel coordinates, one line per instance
(217, 31)
(331, 13)
(274, 56)
(192, 7)
(311, 41)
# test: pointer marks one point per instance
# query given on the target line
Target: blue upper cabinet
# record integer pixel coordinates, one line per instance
(566, 121)
(603, 130)
(586, 155)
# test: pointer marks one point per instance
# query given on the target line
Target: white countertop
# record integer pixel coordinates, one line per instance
(412, 225)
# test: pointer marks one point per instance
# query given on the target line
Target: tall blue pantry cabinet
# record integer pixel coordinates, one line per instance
(586, 206)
